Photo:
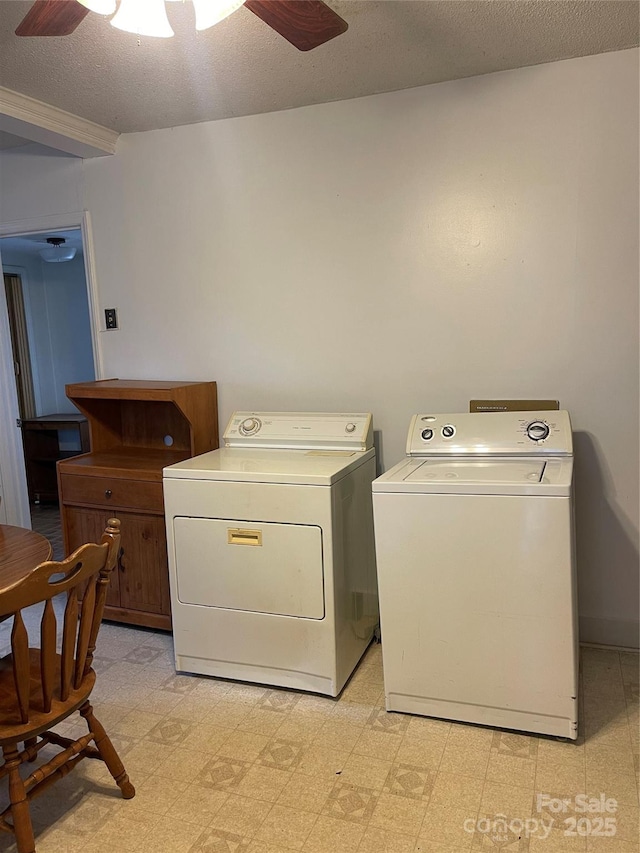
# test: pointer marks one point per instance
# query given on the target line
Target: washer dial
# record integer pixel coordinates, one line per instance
(427, 434)
(537, 430)
(448, 431)
(250, 426)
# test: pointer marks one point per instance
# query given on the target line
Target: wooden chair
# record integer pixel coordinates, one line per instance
(40, 687)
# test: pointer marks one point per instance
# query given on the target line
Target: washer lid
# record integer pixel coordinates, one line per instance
(253, 465)
(470, 472)
(497, 476)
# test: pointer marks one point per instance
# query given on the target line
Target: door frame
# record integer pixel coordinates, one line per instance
(14, 508)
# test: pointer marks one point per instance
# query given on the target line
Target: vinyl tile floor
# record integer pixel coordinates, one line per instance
(225, 767)
(45, 519)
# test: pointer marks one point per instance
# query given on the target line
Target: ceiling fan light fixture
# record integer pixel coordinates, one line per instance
(143, 18)
(57, 251)
(102, 7)
(211, 12)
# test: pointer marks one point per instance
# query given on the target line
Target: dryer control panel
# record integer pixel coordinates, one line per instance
(300, 430)
(491, 434)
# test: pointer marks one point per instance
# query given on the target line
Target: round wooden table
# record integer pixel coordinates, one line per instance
(21, 550)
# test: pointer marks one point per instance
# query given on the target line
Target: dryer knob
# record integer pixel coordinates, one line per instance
(249, 426)
(350, 427)
(537, 431)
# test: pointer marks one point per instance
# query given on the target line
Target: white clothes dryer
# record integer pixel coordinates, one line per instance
(476, 571)
(271, 551)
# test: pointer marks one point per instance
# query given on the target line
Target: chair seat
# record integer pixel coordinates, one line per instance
(11, 729)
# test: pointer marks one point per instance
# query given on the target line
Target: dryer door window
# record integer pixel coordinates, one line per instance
(260, 567)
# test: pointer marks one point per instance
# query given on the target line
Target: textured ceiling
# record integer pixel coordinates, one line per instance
(242, 67)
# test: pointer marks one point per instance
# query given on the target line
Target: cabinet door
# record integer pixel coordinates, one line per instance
(144, 579)
(87, 525)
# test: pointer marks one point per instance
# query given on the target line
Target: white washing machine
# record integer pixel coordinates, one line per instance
(476, 572)
(271, 551)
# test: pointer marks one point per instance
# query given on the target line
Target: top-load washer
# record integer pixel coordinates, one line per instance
(476, 571)
(271, 551)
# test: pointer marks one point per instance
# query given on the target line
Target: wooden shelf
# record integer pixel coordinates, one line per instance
(127, 462)
(137, 428)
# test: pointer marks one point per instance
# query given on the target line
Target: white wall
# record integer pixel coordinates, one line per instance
(38, 181)
(397, 253)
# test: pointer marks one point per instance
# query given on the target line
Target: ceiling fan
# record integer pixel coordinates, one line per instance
(305, 23)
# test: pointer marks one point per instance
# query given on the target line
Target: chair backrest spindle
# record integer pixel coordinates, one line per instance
(85, 579)
(20, 655)
(69, 628)
(101, 599)
(84, 632)
(48, 628)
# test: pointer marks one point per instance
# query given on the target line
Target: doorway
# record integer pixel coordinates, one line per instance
(51, 342)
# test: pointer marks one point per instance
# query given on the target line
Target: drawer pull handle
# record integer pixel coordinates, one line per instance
(107, 493)
(237, 536)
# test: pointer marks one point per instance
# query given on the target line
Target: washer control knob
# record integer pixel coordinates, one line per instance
(427, 434)
(249, 426)
(448, 430)
(537, 431)
(350, 427)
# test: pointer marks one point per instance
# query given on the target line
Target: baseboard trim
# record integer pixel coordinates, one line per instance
(621, 633)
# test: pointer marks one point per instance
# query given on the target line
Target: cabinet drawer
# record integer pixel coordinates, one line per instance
(106, 492)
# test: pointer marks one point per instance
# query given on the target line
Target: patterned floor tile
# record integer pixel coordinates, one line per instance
(404, 780)
(218, 841)
(171, 730)
(183, 684)
(222, 773)
(383, 721)
(297, 779)
(351, 802)
(143, 654)
(278, 700)
(281, 754)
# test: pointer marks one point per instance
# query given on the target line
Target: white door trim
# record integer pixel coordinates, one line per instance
(13, 481)
(13, 478)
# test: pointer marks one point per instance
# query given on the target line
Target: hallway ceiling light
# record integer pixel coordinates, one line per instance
(58, 251)
(149, 17)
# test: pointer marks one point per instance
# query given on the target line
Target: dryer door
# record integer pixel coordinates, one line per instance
(261, 567)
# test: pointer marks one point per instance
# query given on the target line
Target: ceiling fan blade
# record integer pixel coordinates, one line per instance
(304, 23)
(52, 18)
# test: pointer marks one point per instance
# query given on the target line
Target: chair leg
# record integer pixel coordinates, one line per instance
(19, 801)
(30, 743)
(107, 752)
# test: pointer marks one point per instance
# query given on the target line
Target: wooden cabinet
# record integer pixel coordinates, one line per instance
(46, 440)
(137, 428)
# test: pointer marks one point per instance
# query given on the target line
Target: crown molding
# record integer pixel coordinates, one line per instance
(39, 122)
